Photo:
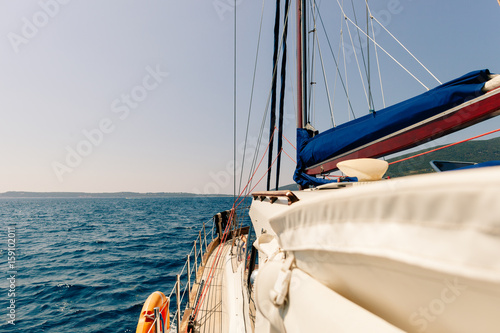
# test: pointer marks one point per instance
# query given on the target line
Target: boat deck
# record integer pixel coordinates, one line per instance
(211, 315)
(220, 277)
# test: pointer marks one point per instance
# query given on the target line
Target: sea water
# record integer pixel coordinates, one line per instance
(88, 265)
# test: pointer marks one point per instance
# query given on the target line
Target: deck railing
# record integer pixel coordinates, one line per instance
(184, 280)
(190, 276)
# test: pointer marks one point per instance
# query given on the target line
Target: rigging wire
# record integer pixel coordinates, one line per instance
(332, 117)
(376, 57)
(267, 171)
(337, 72)
(251, 94)
(365, 60)
(428, 71)
(357, 27)
(369, 74)
(330, 105)
(357, 61)
(211, 272)
(336, 63)
(282, 150)
(291, 158)
(234, 104)
(446, 146)
(291, 144)
(259, 140)
(345, 68)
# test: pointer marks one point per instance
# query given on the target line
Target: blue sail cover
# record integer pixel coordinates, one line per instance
(361, 131)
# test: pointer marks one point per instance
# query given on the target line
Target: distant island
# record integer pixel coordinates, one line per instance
(21, 194)
(473, 151)
(476, 151)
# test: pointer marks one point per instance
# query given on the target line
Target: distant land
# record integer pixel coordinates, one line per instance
(473, 151)
(476, 151)
(20, 194)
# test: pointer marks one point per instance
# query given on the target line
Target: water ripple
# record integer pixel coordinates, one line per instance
(87, 265)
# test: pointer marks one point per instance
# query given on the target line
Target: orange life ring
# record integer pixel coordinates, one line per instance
(146, 319)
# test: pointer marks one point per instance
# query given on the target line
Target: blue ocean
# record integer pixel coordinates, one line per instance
(88, 265)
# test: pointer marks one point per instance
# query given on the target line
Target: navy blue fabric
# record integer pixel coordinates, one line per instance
(361, 131)
(306, 181)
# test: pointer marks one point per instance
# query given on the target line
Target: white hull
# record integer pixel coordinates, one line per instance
(418, 252)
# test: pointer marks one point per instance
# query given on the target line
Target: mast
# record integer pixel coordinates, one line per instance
(302, 64)
(272, 122)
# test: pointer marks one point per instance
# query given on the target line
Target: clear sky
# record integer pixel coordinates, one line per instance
(120, 95)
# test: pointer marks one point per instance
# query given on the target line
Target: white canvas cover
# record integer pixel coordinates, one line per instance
(421, 252)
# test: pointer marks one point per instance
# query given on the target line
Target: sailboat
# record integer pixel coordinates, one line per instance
(360, 253)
